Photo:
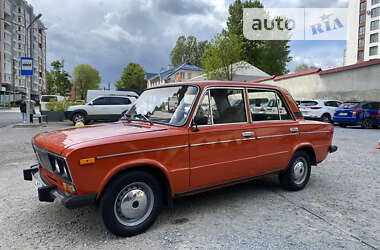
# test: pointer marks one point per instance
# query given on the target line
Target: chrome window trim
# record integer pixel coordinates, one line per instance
(140, 152)
(220, 87)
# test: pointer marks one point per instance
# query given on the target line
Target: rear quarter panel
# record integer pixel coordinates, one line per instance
(318, 135)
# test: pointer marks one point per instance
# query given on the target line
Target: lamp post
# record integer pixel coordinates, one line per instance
(29, 86)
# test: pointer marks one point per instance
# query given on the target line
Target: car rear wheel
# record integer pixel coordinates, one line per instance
(326, 118)
(79, 117)
(131, 204)
(342, 125)
(297, 174)
(367, 123)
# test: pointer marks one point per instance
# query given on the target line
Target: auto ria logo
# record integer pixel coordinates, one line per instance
(295, 23)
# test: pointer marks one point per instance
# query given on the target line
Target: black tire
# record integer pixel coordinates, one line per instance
(79, 117)
(367, 124)
(297, 174)
(136, 194)
(342, 125)
(326, 118)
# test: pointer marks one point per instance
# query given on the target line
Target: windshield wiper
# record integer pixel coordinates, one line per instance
(145, 118)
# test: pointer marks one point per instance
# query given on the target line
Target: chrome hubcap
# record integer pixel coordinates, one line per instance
(299, 171)
(134, 204)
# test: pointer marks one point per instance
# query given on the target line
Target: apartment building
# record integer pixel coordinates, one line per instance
(363, 31)
(15, 16)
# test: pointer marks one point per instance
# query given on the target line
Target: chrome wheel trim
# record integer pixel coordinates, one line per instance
(78, 118)
(300, 171)
(134, 204)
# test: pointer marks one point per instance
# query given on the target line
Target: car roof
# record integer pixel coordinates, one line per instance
(123, 96)
(204, 84)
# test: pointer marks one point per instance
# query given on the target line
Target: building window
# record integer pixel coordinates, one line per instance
(363, 6)
(374, 38)
(373, 51)
(19, 10)
(362, 19)
(19, 19)
(360, 55)
(375, 12)
(189, 75)
(182, 75)
(375, 25)
(375, 2)
(361, 43)
(361, 30)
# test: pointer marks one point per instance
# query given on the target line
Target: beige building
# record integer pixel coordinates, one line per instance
(242, 72)
(15, 16)
(358, 82)
(182, 73)
(363, 31)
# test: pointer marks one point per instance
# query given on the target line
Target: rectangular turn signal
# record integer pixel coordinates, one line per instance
(87, 161)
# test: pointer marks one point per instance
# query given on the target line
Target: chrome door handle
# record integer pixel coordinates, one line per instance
(248, 134)
(293, 130)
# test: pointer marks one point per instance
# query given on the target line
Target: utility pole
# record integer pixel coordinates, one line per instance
(29, 87)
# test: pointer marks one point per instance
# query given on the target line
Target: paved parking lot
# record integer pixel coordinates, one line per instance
(340, 208)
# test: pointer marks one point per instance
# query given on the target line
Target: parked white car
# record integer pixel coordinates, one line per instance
(105, 108)
(322, 110)
(46, 98)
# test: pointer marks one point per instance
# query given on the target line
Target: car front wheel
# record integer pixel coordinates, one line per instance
(131, 204)
(79, 117)
(297, 174)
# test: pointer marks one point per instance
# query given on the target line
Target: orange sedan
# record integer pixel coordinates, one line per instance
(177, 140)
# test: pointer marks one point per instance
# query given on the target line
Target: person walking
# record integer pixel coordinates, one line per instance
(32, 111)
(23, 109)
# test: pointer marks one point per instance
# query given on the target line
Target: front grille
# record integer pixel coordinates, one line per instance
(53, 163)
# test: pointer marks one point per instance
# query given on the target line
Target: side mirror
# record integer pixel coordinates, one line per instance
(199, 120)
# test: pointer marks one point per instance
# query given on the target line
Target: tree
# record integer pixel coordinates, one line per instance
(133, 77)
(58, 80)
(188, 50)
(303, 67)
(269, 56)
(85, 77)
(224, 50)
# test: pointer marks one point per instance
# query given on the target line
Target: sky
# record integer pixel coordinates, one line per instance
(108, 34)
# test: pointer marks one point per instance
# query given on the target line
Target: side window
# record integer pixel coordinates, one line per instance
(228, 106)
(100, 101)
(222, 106)
(367, 106)
(119, 101)
(267, 106)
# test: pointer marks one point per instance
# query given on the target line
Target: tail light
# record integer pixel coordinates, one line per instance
(315, 107)
(356, 112)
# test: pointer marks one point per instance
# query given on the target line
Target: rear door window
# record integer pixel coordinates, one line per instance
(119, 101)
(272, 110)
(349, 105)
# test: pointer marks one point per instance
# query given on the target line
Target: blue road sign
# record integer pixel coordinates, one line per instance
(27, 66)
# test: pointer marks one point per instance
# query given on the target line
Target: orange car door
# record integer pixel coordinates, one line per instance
(276, 129)
(220, 145)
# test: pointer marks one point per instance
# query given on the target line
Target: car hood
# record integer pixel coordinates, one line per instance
(57, 141)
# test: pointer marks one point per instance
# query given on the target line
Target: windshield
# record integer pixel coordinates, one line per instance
(349, 105)
(168, 105)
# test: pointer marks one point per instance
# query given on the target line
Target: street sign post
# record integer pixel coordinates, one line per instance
(26, 66)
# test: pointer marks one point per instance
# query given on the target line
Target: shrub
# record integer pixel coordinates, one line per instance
(53, 105)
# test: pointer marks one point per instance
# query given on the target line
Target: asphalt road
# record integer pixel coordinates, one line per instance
(7, 118)
(340, 207)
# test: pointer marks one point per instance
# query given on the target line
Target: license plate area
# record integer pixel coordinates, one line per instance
(343, 114)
